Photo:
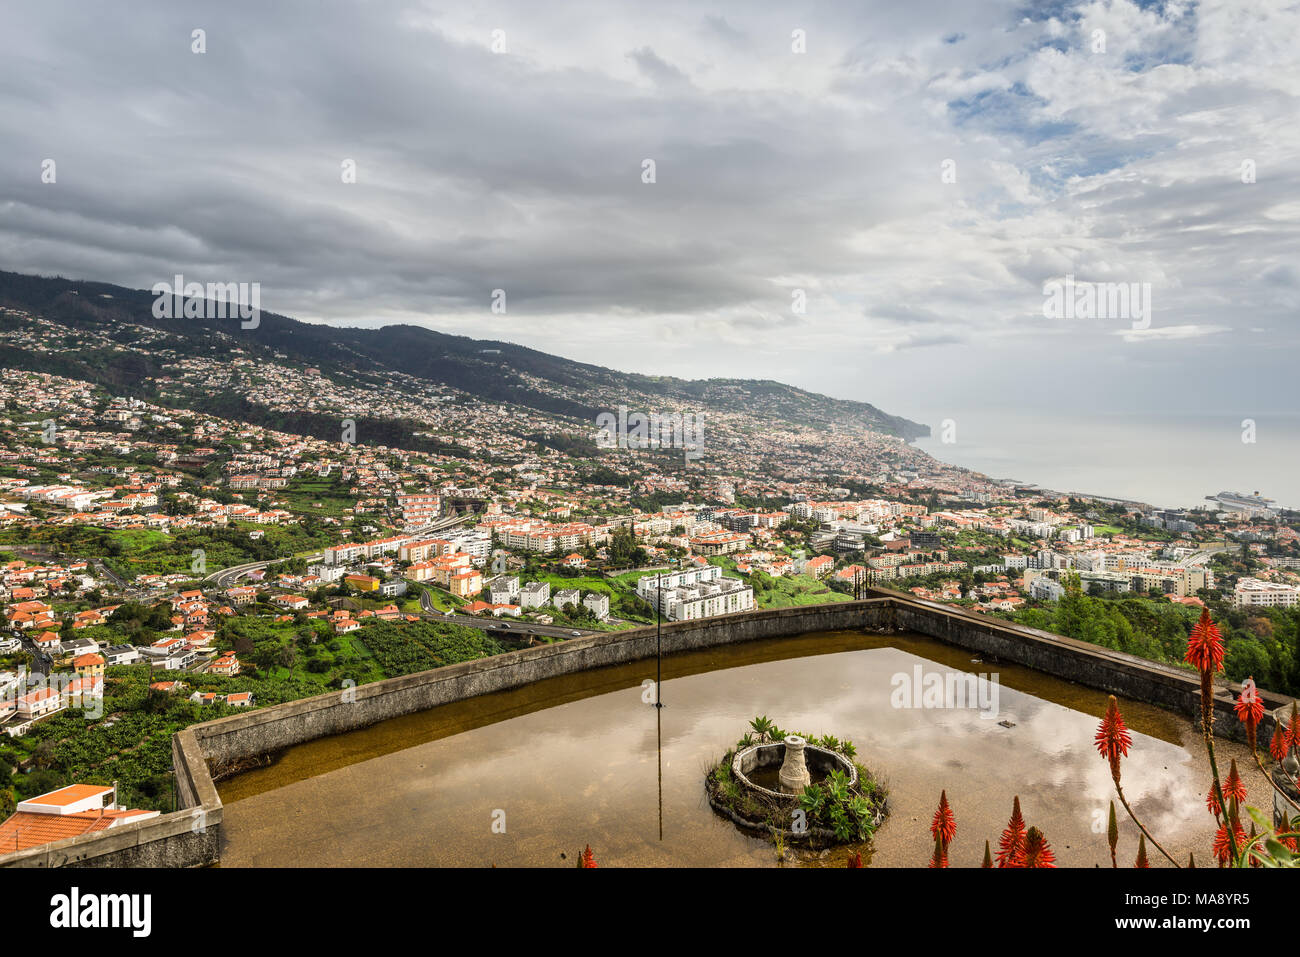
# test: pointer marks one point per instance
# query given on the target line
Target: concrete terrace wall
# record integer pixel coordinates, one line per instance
(229, 740)
(191, 837)
(186, 838)
(1125, 676)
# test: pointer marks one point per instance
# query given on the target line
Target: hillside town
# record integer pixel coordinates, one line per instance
(162, 565)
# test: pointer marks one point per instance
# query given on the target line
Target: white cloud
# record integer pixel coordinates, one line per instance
(776, 171)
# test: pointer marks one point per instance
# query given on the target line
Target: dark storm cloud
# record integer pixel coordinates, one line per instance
(777, 173)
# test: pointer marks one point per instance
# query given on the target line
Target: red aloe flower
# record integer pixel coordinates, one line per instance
(940, 857)
(1142, 852)
(1234, 788)
(587, 859)
(1221, 850)
(1205, 651)
(1205, 646)
(1012, 844)
(1113, 739)
(855, 860)
(1293, 729)
(1281, 741)
(1250, 709)
(944, 825)
(1037, 852)
(1212, 801)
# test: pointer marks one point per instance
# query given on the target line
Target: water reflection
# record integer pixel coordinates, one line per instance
(613, 771)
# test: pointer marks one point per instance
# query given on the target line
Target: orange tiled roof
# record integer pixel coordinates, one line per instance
(72, 793)
(25, 829)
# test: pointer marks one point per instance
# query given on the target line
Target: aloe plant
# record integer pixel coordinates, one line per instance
(812, 800)
(837, 784)
(860, 807)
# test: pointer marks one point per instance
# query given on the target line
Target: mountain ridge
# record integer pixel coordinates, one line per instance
(489, 369)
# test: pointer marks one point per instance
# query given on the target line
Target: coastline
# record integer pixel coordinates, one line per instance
(1162, 461)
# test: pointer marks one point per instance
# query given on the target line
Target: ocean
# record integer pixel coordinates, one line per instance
(1163, 460)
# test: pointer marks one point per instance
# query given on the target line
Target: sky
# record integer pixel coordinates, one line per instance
(914, 173)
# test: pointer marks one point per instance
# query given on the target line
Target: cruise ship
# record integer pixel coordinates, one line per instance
(1249, 503)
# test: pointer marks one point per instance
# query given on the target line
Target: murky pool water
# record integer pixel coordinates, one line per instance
(585, 760)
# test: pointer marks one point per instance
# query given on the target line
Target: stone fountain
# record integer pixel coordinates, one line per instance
(797, 762)
(768, 781)
(794, 776)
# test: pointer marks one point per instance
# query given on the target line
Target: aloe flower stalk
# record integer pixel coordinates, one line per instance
(1205, 652)
(1037, 852)
(1250, 710)
(1234, 788)
(1113, 738)
(1278, 746)
(944, 826)
(1113, 741)
(1212, 802)
(1227, 840)
(940, 857)
(1112, 835)
(1012, 843)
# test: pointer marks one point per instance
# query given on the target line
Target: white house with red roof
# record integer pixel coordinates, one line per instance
(67, 812)
(227, 664)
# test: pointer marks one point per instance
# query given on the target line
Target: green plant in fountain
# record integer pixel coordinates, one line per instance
(813, 800)
(832, 809)
(835, 807)
(764, 731)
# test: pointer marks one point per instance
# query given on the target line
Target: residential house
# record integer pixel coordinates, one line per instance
(598, 604)
(67, 812)
(88, 665)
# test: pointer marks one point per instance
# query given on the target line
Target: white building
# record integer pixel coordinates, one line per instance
(598, 604)
(1044, 589)
(503, 589)
(327, 573)
(535, 594)
(1253, 593)
(696, 593)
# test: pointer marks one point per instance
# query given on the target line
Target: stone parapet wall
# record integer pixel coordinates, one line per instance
(191, 837)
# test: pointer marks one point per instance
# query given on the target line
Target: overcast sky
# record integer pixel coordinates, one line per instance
(775, 170)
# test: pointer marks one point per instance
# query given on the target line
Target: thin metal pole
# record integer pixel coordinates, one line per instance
(659, 627)
(659, 750)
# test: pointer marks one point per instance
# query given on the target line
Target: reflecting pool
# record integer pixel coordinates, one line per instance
(586, 760)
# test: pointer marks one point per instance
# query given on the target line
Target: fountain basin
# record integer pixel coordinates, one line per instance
(751, 763)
